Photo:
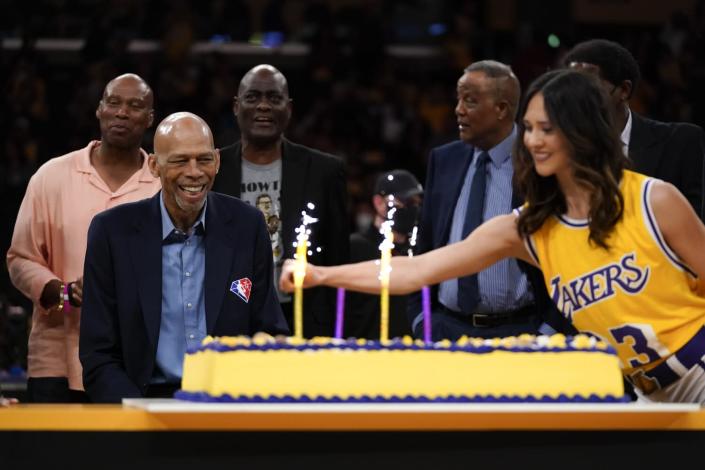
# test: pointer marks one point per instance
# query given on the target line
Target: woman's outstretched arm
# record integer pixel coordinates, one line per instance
(494, 240)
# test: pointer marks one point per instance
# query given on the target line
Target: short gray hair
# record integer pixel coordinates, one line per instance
(507, 86)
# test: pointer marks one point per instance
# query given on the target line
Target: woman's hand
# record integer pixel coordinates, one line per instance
(286, 280)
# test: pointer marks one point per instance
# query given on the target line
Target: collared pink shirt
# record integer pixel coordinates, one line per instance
(49, 242)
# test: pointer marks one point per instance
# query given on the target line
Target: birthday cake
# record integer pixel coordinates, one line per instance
(517, 369)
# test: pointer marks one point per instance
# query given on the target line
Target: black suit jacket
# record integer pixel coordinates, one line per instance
(673, 152)
(122, 289)
(447, 166)
(307, 176)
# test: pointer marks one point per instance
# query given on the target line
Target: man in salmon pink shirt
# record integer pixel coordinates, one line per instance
(46, 256)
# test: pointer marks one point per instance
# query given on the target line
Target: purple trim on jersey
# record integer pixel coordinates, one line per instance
(527, 240)
(226, 398)
(689, 355)
(651, 220)
(572, 224)
(532, 249)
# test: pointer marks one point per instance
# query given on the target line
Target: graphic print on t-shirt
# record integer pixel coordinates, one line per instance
(261, 188)
(264, 203)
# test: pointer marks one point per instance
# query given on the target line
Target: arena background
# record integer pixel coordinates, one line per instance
(372, 81)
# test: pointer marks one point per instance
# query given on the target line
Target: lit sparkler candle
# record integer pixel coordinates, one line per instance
(299, 276)
(384, 271)
(302, 244)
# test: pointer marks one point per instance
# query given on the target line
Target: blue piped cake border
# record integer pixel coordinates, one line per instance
(400, 345)
(206, 398)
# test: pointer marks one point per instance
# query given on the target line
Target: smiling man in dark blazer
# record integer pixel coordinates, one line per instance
(162, 273)
(281, 178)
(671, 151)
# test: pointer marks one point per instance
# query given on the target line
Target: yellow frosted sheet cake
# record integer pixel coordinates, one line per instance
(517, 369)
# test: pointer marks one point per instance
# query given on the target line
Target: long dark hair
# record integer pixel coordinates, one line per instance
(577, 106)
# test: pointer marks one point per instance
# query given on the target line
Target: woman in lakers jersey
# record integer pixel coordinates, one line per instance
(620, 252)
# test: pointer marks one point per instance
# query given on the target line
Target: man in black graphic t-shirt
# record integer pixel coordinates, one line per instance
(263, 162)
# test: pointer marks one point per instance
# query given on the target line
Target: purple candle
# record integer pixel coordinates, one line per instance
(426, 304)
(339, 307)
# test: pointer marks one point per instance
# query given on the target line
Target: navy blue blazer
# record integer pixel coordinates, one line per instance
(122, 289)
(447, 166)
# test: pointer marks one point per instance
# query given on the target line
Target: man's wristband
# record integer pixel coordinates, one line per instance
(66, 304)
(60, 305)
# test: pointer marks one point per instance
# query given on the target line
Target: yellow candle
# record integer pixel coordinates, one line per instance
(299, 276)
(384, 271)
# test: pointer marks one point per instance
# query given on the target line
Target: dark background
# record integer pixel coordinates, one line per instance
(372, 81)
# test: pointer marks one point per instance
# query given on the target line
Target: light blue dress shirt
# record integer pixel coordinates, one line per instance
(503, 286)
(183, 318)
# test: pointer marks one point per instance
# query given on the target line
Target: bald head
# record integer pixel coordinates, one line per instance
(264, 71)
(125, 112)
(179, 129)
(133, 81)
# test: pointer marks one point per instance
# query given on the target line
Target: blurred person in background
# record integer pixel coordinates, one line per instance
(401, 191)
(671, 151)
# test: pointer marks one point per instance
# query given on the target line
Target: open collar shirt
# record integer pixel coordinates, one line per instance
(183, 317)
(49, 242)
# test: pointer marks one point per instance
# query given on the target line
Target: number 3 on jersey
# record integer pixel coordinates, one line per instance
(642, 339)
(642, 347)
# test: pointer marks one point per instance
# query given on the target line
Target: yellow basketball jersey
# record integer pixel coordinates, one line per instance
(636, 295)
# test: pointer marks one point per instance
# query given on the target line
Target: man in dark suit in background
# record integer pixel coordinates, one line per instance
(671, 151)
(162, 273)
(264, 163)
(472, 179)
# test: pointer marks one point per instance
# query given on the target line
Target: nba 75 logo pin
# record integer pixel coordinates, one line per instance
(242, 288)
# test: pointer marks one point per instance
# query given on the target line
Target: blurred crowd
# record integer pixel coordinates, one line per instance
(353, 95)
